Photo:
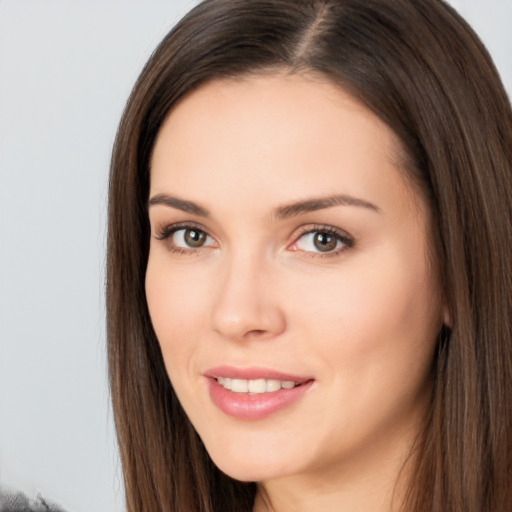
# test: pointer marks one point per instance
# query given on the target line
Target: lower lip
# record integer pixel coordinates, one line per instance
(257, 406)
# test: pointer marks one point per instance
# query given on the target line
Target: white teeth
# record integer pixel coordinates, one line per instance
(273, 385)
(256, 386)
(239, 386)
(224, 381)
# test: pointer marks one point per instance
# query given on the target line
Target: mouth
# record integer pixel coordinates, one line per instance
(254, 394)
(256, 386)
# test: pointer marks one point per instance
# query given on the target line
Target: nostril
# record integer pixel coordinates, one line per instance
(256, 333)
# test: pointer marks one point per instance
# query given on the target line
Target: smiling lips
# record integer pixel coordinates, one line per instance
(255, 393)
(255, 386)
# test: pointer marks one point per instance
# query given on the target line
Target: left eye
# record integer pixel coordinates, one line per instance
(191, 238)
(320, 241)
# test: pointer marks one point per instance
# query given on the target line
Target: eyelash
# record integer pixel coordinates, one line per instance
(348, 242)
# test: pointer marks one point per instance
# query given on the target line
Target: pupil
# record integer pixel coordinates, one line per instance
(194, 238)
(325, 242)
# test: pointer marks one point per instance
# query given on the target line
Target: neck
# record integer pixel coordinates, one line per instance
(374, 481)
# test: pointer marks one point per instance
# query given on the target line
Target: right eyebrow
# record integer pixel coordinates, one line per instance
(179, 204)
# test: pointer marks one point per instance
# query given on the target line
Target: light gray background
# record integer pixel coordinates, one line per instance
(66, 69)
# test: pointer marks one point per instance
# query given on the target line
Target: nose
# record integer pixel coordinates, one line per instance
(246, 304)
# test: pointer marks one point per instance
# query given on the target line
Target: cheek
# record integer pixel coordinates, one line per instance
(365, 314)
(373, 332)
(177, 302)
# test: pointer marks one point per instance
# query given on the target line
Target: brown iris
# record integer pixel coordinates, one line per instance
(195, 237)
(325, 242)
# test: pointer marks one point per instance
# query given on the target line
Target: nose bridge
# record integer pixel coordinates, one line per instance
(246, 305)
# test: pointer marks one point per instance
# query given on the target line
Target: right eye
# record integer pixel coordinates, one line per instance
(190, 238)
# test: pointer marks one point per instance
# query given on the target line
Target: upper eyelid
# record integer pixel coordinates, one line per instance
(176, 226)
(313, 228)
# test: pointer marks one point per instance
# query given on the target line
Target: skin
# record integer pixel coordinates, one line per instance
(362, 319)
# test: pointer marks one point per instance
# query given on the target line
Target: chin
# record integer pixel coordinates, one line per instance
(246, 472)
(247, 466)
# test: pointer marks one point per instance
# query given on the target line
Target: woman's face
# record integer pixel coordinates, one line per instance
(289, 262)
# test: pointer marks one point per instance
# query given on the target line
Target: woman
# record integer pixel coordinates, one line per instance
(309, 276)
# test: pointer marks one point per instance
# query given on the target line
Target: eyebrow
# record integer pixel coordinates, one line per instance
(179, 204)
(319, 203)
(280, 213)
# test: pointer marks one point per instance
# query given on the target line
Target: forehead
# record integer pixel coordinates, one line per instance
(255, 101)
(292, 133)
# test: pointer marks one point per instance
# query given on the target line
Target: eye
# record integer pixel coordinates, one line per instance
(324, 241)
(184, 238)
(190, 238)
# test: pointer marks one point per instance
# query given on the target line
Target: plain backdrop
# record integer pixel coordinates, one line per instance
(66, 69)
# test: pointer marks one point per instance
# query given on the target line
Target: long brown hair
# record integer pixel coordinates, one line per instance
(421, 69)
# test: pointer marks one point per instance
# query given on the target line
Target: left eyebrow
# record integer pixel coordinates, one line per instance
(319, 203)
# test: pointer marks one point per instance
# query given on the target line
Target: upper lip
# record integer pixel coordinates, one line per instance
(253, 373)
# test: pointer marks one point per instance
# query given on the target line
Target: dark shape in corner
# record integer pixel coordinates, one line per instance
(12, 501)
